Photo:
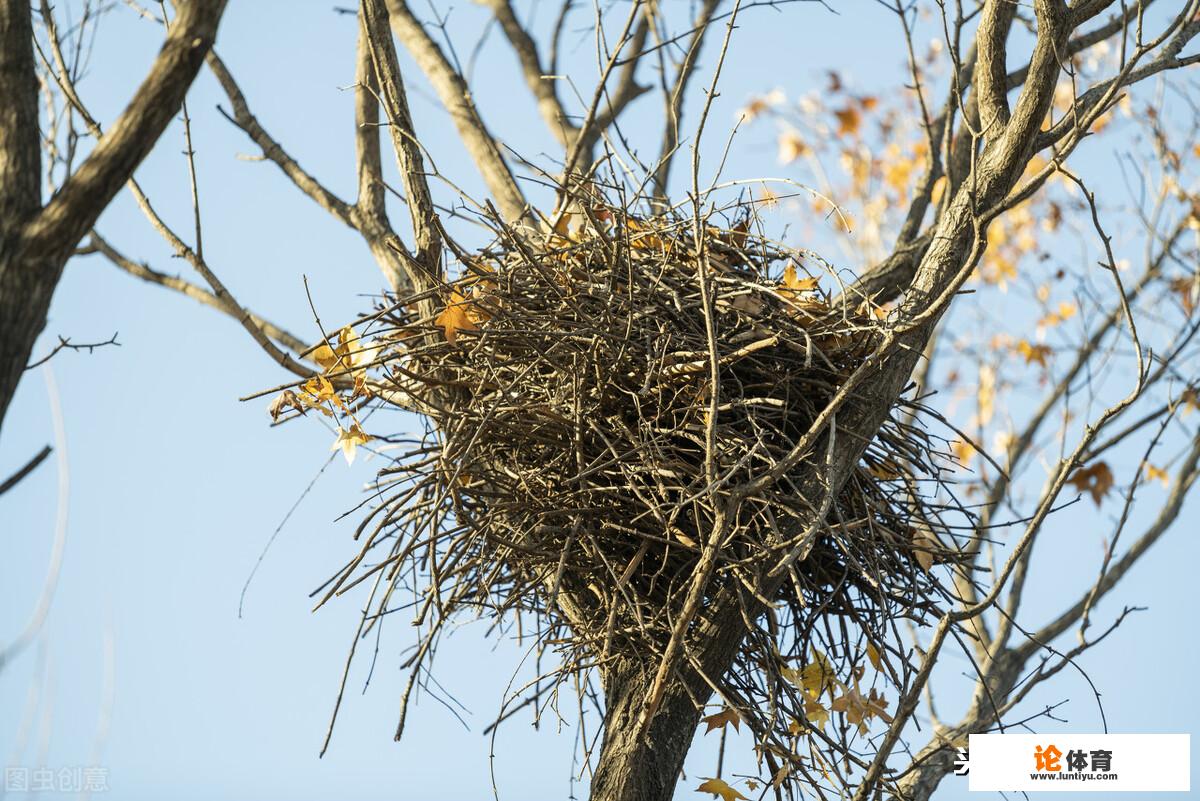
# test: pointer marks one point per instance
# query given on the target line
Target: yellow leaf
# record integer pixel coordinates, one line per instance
(325, 357)
(817, 676)
(722, 719)
(816, 713)
(873, 655)
(1157, 474)
(1033, 353)
(792, 286)
(321, 390)
(963, 451)
(456, 317)
(349, 440)
(719, 787)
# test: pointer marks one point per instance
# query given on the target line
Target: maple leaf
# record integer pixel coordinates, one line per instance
(792, 285)
(456, 317)
(1034, 353)
(1095, 480)
(859, 708)
(318, 390)
(721, 719)
(349, 440)
(814, 678)
(719, 787)
(817, 714)
(349, 352)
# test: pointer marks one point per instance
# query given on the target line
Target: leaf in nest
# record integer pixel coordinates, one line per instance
(924, 545)
(349, 440)
(1095, 480)
(859, 708)
(816, 713)
(814, 678)
(719, 787)
(642, 235)
(563, 226)
(792, 284)
(873, 655)
(723, 718)
(457, 316)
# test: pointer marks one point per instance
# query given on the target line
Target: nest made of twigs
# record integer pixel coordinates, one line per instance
(574, 465)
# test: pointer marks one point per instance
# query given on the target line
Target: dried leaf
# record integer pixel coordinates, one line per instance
(285, 400)
(456, 317)
(325, 357)
(349, 440)
(719, 787)
(1034, 353)
(1096, 480)
(873, 656)
(721, 719)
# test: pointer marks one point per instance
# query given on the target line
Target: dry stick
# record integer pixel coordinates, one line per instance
(706, 565)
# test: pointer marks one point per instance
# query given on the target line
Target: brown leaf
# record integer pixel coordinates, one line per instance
(1095, 480)
(456, 317)
(285, 400)
(721, 719)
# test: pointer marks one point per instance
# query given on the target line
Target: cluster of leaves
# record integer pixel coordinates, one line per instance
(337, 391)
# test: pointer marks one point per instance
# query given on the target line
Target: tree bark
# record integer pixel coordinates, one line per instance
(645, 770)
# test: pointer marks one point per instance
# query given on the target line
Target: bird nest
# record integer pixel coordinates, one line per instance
(610, 397)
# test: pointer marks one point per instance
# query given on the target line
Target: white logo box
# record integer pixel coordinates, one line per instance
(1138, 762)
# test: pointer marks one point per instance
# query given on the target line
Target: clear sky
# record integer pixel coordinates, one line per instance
(144, 666)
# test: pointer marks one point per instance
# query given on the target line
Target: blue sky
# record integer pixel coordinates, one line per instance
(175, 486)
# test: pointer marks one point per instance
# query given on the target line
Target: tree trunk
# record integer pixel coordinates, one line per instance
(25, 291)
(648, 769)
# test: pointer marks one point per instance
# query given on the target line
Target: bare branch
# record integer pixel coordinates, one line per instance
(196, 293)
(543, 86)
(70, 214)
(427, 262)
(455, 95)
(273, 151)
